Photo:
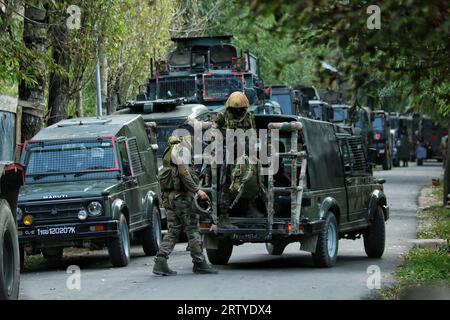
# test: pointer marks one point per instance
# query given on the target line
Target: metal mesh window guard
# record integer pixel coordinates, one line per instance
(176, 88)
(71, 158)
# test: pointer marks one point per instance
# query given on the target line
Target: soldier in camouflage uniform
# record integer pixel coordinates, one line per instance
(178, 193)
(238, 183)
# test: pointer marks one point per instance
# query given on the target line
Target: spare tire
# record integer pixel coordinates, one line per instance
(9, 254)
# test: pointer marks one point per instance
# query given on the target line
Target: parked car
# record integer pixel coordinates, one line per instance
(333, 195)
(90, 183)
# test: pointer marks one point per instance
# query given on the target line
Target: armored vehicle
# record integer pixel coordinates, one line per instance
(381, 139)
(320, 110)
(431, 133)
(204, 70)
(90, 182)
(11, 178)
(360, 118)
(167, 115)
(291, 101)
(323, 191)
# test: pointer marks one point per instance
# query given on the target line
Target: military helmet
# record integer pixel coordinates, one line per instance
(237, 100)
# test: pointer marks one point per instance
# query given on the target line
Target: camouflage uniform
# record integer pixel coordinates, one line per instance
(178, 204)
(237, 176)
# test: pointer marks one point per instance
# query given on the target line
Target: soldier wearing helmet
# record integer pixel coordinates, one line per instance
(239, 185)
(236, 115)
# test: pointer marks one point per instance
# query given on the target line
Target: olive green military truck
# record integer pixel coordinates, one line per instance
(90, 183)
(323, 191)
(11, 178)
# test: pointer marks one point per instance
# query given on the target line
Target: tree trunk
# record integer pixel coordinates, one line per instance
(447, 174)
(58, 94)
(31, 96)
(79, 103)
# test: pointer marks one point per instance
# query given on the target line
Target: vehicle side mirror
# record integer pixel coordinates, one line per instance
(380, 181)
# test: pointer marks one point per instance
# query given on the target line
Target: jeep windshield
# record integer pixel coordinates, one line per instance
(70, 161)
(340, 115)
(378, 123)
(285, 102)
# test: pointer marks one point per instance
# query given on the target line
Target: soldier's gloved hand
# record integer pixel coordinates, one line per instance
(213, 228)
(202, 195)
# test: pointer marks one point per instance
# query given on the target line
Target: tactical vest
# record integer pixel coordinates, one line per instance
(245, 123)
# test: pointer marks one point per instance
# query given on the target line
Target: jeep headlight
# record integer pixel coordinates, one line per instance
(95, 208)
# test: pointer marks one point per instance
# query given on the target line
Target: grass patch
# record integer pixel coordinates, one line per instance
(439, 223)
(420, 267)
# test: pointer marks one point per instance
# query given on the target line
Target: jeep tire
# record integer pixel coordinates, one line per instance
(222, 254)
(151, 235)
(275, 249)
(119, 247)
(375, 235)
(9, 254)
(327, 243)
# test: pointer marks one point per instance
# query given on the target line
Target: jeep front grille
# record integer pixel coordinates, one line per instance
(54, 212)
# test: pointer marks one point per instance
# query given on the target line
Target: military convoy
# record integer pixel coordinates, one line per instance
(92, 182)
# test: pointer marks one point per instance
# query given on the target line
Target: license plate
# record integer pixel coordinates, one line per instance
(54, 231)
(247, 236)
(381, 151)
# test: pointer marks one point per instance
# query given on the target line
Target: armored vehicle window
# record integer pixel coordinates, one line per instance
(125, 159)
(345, 155)
(357, 156)
(136, 161)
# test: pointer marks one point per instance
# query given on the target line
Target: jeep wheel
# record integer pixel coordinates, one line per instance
(119, 247)
(374, 236)
(275, 249)
(151, 235)
(221, 255)
(327, 243)
(53, 255)
(9, 254)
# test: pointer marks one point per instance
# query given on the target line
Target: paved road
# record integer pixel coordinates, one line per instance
(251, 273)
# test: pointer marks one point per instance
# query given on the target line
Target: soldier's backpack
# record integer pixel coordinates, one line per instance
(168, 175)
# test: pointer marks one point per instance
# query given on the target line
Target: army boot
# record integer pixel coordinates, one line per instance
(203, 268)
(161, 268)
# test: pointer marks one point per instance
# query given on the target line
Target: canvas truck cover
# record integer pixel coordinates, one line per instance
(325, 169)
(324, 163)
